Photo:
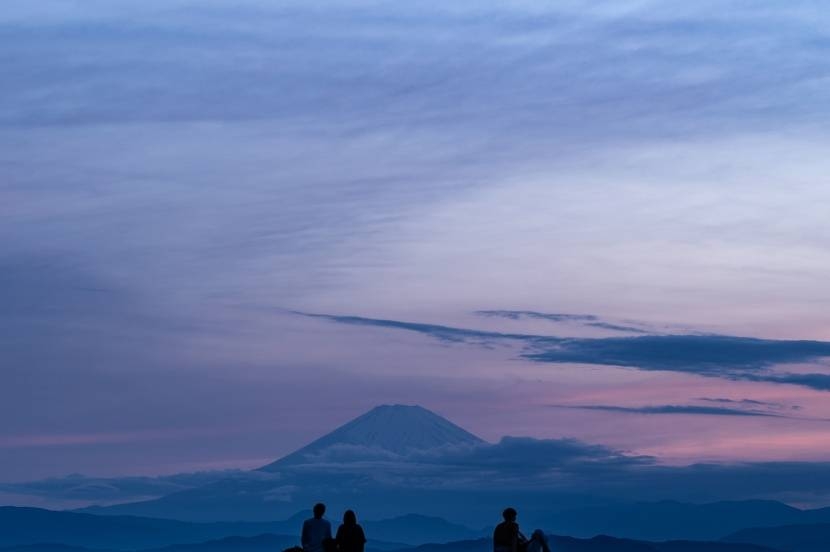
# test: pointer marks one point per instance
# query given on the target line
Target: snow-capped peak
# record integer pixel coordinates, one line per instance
(393, 430)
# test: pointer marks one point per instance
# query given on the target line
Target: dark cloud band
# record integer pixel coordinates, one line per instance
(722, 356)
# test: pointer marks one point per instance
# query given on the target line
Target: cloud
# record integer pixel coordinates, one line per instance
(701, 354)
(589, 320)
(444, 333)
(515, 456)
(722, 356)
(576, 466)
(112, 490)
(817, 381)
(673, 409)
(510, 456)
(555, 317)
(552, 467)
(559, 466)
(750, 403)
(697, 83)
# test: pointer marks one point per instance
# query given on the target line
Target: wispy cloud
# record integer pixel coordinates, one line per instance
(445, 333)
(749, 403)
(589, 320)
(110, 490)
(673, 409)
(722, 356)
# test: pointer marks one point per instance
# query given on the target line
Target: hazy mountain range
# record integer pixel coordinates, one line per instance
(416, 479)
(397, 460)
(271, 543)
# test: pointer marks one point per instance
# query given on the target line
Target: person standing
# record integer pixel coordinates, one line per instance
(350, 536)
(507, 537)
(316, 531)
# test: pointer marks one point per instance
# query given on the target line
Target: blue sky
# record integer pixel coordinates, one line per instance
(179, 177)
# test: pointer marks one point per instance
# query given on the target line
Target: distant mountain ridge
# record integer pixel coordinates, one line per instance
(396, 460)
(813, 537)
(672, 520)
(415, 529)
(30, 526)
(275, 543)
(601, 543)
(34, 526)
(394, 430)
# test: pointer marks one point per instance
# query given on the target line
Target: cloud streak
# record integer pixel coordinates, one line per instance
(673, 409)
(721, 356)
(588, 320)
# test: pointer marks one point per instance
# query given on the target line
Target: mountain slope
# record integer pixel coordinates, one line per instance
(791, 538)
(415, 529)
(674, 520)
(275, 543)
(601, 543)
(396, 460)
(31, 526)
(387, 430)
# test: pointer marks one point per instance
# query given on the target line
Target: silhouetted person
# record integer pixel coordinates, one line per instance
(316, 531)
(350, 536)
(538, 542)
(507, 537)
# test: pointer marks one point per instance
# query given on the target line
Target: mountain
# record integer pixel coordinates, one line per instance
(790, 538)
(48, 547)
(385, 431)
(395, 460)
(601, 543)
(676, 520)
(390, 461)
(257, 543)
(414, 529)
(275, 543)
(31, 526)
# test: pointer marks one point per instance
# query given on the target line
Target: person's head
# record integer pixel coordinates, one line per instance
(349, 518)
(319, 510)
(539, 535)
(509, 514)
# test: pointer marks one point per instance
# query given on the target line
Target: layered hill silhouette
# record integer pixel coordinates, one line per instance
(671, 519)
(416, 529)
(32, 526)
(271, 543)
(36, 530)
(603, 543)
(814, 537)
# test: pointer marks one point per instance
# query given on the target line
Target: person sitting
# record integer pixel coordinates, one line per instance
(316, 531)
(507, 537)
(350, 536)
(538, 542)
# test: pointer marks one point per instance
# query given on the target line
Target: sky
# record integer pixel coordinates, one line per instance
(226, 229)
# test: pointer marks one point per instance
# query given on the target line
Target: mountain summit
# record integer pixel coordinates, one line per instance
(386, 430)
